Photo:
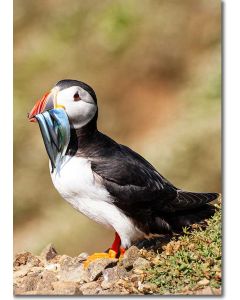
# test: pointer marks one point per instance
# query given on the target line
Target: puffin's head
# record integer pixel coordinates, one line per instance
(76, 97)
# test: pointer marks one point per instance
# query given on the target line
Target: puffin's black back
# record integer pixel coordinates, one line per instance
(66, 83)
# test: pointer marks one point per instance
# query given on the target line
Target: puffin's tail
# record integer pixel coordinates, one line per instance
(186, 209)
(189, 200)
(191, 208)
(186, 218)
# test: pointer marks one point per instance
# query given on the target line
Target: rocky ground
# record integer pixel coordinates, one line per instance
(54, 274)
(187, 264)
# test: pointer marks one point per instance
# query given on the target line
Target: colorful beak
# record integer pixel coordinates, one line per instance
(42, 105)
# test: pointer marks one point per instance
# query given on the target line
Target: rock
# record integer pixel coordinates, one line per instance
(125, 286)
(37, 293)
(17, 282)
(111, 275)
(83, 256)
(217, 292)
(147, 288)
(65, 262)
(71, 269)
(203, 282)
(123, 291)
(105, 292)
(90, 288)
(135, 278)
(46, 281)
(25, 258)
(52, 267)
(68, 263)
(141, 263)
(74, 274)
(130, 256)
(29, 283)
(49, 252)
(138, 271)
(36, 270)
(22, 271)
(96, 267)
(36, 279)
(21, 259)
(122, 272)
(207, 291)
(17, 291)
(114, 292)
(66, 288)
(105, 285)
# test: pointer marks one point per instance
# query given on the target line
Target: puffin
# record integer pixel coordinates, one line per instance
(106, 181)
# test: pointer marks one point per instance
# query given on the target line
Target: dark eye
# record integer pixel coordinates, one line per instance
(76, 97)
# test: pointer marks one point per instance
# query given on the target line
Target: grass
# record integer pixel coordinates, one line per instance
(191, 262)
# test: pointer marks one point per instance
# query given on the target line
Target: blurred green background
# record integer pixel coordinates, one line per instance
(156, 68)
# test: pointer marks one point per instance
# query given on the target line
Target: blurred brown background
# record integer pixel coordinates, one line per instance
(156, 68)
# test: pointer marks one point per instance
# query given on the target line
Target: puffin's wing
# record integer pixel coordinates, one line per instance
(132, 181)
(150, 200)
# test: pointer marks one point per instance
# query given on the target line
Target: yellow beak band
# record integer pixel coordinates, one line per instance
(59, 106)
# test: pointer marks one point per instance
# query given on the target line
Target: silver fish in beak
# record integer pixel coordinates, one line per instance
(55, 130)
(54, 125)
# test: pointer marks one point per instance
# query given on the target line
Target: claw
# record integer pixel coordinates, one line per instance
(122, 251)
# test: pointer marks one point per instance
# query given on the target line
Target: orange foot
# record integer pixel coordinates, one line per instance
(116, 251)
(110, 254)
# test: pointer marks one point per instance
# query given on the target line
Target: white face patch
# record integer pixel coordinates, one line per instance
(80, 112)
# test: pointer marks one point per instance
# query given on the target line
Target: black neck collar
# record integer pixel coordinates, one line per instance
(81, 137)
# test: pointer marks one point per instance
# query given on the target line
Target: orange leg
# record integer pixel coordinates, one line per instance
(116, 246)
(115, 251)
(116, 243)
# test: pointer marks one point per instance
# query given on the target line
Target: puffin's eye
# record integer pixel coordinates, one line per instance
(76, 97)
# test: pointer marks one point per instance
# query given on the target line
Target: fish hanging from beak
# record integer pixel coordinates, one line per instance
(54, 126)
(55, 130)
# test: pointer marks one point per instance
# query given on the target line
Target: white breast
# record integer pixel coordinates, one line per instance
(75, 181)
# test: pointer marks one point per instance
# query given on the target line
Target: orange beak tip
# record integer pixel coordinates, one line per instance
(40, 107)
(31, 118)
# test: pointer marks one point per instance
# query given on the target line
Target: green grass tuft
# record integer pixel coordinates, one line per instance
(191, 262)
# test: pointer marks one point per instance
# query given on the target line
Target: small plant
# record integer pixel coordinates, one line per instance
(191, 262)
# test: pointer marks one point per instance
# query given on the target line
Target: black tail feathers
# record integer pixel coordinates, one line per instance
(186, 218)
(186, 209)
(189, 200)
